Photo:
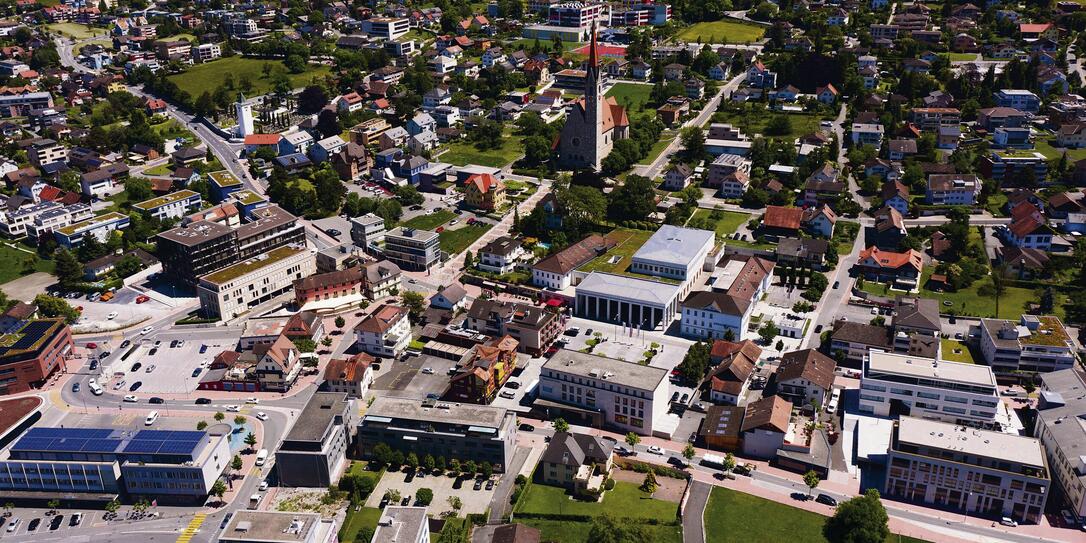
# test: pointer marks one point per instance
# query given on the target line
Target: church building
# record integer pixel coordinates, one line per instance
(593, 123)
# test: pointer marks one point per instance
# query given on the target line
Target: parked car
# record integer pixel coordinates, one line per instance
(827, 500)
(135, 386)
(131, 398)
(14, 525)
(525, 427)
(196, 372)
(203, 349)
(1007, 521)
(92, 345)
(33, 525)
(136, 367)
(118, 384)
(76, 519)
(125, 344)
(203, 401)
(94, 365)
(478, 484)
(233, 408)
(490, 484)
(836, 284)
(142, 298)
(261, 415)
(428, 370)
(104, 354)
(655, 449)
(56, 522)
(513, 385)
(75, 387)
(151, 368)
(111, 316)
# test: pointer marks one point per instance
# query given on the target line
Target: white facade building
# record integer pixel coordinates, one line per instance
(235, 289)
(894, 384)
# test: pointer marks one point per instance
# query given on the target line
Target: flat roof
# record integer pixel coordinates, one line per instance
(444, 412)
(1062, 410)
(270, 526)
(606, 369)
(166, 199)
(230, 273)
(400, 524)
(631, 288)
(224, 178)
(196, 232)
(416, 234)
(985, 443)
(317, 415)
(247, 197)
(929, 368)
(92, 222)
(675, 245)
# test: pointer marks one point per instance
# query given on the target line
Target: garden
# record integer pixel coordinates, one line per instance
(721, 32)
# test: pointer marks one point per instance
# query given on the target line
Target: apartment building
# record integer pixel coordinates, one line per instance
(1059, 425)
(930, 119)
(206, 52)
(386, 332)
(368, 231)
(13, 223)
(535, 328)
(556, 271)
(329, 286)
(1022, 100)
(729, 305)
(988, 473)
(51, 219)
(233, 290)
(465, 432)
(388, 28)
(314, 452)
(895, 384)
(101, 227)
(953, 189)
(999, 164)
(1034, 344)
(171, 206)
(46, 151)
(600, 391)
(20, 105)
(483, 371)
(412, 249)
(167, 50)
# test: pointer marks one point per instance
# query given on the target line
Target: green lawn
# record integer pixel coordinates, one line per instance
(367, 517)
(171, 129)
(732, 516)
(14, 261)
(953, 57)
(455, 241)
(629, 241)
(950, 345)
(430, 222)
(1044, 146)
(462, 153)
(969, 301)
(161, 169)
(209, 76)
(119, 200)
(721, 32)
(75, 30)
(633, 96)
(726, 226)
(753, 120)
(657, 148)
(577, 532)
(626, 500)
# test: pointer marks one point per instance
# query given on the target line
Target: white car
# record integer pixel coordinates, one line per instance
(656, 450)
(428, 371)
(13, 525)
(262, 415)
(147, 330)
(233, 408)
(252, 399)
(131, 398)
(508, 394)
(112, 315)
(263, 486)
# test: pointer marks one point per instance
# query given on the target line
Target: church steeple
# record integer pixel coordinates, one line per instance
(592, 71)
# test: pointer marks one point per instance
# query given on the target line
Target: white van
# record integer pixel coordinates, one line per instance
(835, 398)
(151, 418)
(261, 457)
(254, 501)
(95, 388)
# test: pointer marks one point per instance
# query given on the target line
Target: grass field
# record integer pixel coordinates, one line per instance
(577, 532)
(161, 169)
(629, 241)
(632, 95)
(209, 76)
(721, 32)
(14, 260)
(430, 222)
(1045, 147)
(753, 121)
(969, 301)
(455, 241)
(726, 226)
(462, 153)
(626, 500)
(731, 516)
(950, 345)
(657, 148)
(367, 517)
(954, 57)
(77, 31)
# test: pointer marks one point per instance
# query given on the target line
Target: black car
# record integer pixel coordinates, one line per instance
(675, 397)
(203, 401)
(333, 232)
(196, 372)
(588, 332)
(33, 525)
(158, 342)
(94, 365)
(156, 399)
(677, 462)
(406, 501)
(490, 484)
(135, 386)
(136, 366)
(526, 428)
(836, 284)
(478, 484)
(225, 521)
(75, 387)
(173, 344)
(818, 329)
(203, 349)
(684, 398)
(827, 500)
(56, 522)
(152, 351)
(415, 207)
(513, 385)
(125, 343)
(104, 354)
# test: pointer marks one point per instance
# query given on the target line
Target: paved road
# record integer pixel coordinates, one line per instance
(694, 514)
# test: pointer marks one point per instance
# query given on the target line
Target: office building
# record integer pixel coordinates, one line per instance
(440, 429)
(101, 227)
(98, 464)
(412, 249)
(987, 473)
(401, 524)
(1061, 412)
(234, 290)
(1036, 343)
(368, 231)
(602, 391)
(31, 351)
(388, 28)
(897, 384)
(314, 452)
(736, 289)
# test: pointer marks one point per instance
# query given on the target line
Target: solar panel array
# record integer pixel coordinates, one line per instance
(32, 333)
(107, 441)
(163, 442)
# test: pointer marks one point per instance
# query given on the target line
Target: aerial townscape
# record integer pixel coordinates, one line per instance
(569, 271)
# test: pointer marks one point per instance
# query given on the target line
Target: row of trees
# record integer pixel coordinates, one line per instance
(383, 455)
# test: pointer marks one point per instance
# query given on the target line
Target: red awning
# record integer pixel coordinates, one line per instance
(554, 302)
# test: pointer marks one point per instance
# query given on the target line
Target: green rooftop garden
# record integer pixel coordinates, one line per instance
(164, 200)
(228, 274)
(224, 178)
(91, 223)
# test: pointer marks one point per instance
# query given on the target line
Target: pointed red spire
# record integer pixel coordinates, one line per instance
(593, 54)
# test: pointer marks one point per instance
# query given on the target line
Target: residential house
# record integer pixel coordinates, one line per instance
(385, 333)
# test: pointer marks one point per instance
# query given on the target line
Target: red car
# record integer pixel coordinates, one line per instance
(142, 298)
(440, 229)
(92, 345)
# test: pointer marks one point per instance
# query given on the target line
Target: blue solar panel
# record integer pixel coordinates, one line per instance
(143, 446)
(187, 435)
(177, 447)
(68, 444)
(33, 444)
(152, 434)
(102, 445)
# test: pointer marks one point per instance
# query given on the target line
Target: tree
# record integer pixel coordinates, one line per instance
(236, 464)
(632, 439)
(780, 345)
(219, 416)
(635, 200)
(397, 458)
(560, 425)
(439, 464)
(729, 462)
(201, 425)
(693, 140)
(468, 467)
(328, 123)
(138, 189)
(689, 452)
(424, 496)
(415, 304)
(811, 479)
(68, 270)
(312, 99)
(128, 265)
(606, 529)
(112, 506)
(53, 504)
(649, 485)
(412, 461)
(695, 362)
(454, 465)
(340, 323)
(51, 306)
(428, 462)
(305, 345)
(382, 454)
(392, 495)
(862, 519)
(487, 469)
(768, 331)
(250, 440)
(69, 181)
(218, 489)
(239, 420)
(455, 503)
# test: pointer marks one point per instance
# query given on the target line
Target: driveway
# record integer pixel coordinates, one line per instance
(693, 515)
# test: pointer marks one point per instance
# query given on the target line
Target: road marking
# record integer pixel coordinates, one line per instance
(193, 527)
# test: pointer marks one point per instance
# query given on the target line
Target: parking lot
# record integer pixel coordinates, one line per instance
(526, 376)
(165, 369)
(406, 378)
(36, 522)
(444, 487)
(121, 311)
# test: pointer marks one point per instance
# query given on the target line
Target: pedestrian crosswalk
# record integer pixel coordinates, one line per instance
(193, 527)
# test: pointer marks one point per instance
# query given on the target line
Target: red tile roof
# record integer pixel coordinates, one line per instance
(782, 217)
(262, 139)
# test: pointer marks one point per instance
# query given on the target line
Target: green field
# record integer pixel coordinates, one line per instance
(15, 260)
(954, 57)
(455, 241)
(75, 30)
(633, 96)
(209, 76)
(725, 227)
(626, 500)
(657, 148)
(753, 120)
(430, 222)
(1044, 146)
(721, 32)
(629, 241)
(577, 532)
(732, 516)
(367, 517)
(950, 345)
(969, 301)
(160, 170)
(462, 153)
